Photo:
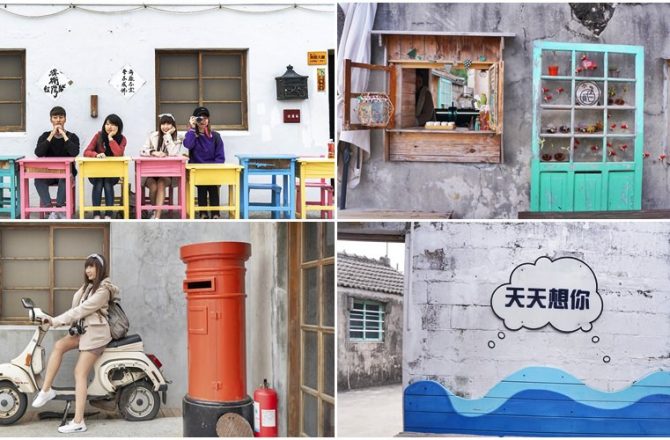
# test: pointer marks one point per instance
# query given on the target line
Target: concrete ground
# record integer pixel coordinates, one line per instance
(101, 425)
(370, 412)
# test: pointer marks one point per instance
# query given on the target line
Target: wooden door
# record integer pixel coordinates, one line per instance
(311, 400)
(587, 135)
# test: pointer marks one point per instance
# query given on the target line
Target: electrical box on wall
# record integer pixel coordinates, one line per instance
(291, 116)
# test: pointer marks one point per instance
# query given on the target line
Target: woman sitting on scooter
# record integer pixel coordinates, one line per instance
(89, 332)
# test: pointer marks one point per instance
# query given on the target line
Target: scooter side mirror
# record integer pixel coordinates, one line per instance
(27, 303)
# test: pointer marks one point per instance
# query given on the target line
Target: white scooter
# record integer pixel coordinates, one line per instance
(125, 377)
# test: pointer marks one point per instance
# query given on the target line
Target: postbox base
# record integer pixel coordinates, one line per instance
(200, 417)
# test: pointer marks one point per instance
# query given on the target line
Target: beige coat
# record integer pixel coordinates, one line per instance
(93, 310)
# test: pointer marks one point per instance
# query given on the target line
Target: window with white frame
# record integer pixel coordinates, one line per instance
(366, 321)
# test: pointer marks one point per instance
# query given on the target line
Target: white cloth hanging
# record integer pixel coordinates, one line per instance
(354, 45)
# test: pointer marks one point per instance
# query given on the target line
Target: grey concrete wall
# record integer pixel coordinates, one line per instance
(145, 264)
(365, 364)
(455, 267)
(502, 190)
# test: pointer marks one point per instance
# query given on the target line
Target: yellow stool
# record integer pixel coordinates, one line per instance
(314, 168)
(91, 167)
(214, 174)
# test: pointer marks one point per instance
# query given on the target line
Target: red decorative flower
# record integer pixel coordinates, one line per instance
(576, 141)
(646, 154)
(624, 126)
(560, 90)
(613, 126)
(595, 148)
(545, 90)
(611, 153)
(624, 147)
(548, 98)
(662, 157)
(609, 144)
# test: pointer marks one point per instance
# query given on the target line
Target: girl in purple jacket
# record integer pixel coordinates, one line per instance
(204, 146)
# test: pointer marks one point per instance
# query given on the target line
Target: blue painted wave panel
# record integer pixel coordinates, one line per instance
(542, 401)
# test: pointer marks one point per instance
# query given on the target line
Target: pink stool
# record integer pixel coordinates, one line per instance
(326, 196)
(160, 167)
(46, 168)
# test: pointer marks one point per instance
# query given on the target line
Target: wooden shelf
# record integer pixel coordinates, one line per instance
(438, 130)
(585, 107)
(586, 78)
(556, 78)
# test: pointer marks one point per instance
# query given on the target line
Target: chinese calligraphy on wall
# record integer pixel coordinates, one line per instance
(562, 293)
(54, 83)
(127, 81)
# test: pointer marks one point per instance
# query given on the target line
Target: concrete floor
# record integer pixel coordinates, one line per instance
(370, 412)
(167, 424)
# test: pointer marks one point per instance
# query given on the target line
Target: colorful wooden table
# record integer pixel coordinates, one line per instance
(277, 167)
(321, 170)
(160, 167)
(110, 167)
(214, 174)
(9, 180)
(46, 168)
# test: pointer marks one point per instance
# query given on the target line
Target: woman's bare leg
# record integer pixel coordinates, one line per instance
(61, 347)
(160, 195)
(84, 365)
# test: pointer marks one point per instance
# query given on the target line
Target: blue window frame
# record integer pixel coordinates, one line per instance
(366, 321)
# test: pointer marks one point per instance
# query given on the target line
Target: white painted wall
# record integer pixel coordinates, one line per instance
(453, 269)
(89, 47)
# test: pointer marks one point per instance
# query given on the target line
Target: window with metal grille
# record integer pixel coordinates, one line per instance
(12, 90)
(216, 79)
(45, 264)
(366, 321)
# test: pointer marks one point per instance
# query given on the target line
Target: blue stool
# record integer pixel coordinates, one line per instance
(9, 181)
(281, 169)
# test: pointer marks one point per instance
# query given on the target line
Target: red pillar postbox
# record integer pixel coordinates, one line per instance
(215, 295)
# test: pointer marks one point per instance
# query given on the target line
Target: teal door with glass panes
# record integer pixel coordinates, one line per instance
(587, 130)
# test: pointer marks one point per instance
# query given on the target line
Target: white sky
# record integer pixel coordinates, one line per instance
(396, 251)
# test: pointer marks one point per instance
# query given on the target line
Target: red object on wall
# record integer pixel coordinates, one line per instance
(265, 411)
(291, 116)
(215, 294)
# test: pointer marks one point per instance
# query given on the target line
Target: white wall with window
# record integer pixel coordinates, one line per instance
(224, 57)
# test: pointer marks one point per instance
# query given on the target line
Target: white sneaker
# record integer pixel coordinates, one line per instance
(53, 216)
(72, 427)
(43, 398)
(96, 217)
(108, 217)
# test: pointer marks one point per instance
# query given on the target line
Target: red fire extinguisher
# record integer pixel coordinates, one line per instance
(265, 411)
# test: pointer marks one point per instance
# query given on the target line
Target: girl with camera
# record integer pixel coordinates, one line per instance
(161, 143)
(89, 332)
(204, 146)
(107, 142)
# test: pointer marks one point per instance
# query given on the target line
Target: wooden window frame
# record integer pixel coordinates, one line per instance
(22, 54)
(52, 259)
(295, 332)
(367, 319)
(244, 101)
(430, 50)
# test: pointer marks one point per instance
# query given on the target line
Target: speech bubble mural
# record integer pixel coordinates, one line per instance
(562, 293)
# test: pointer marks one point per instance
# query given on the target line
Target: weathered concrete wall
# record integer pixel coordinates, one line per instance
(145, 264)
(455, 267)
(99, 44)
(365, 364)
(502, 190)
